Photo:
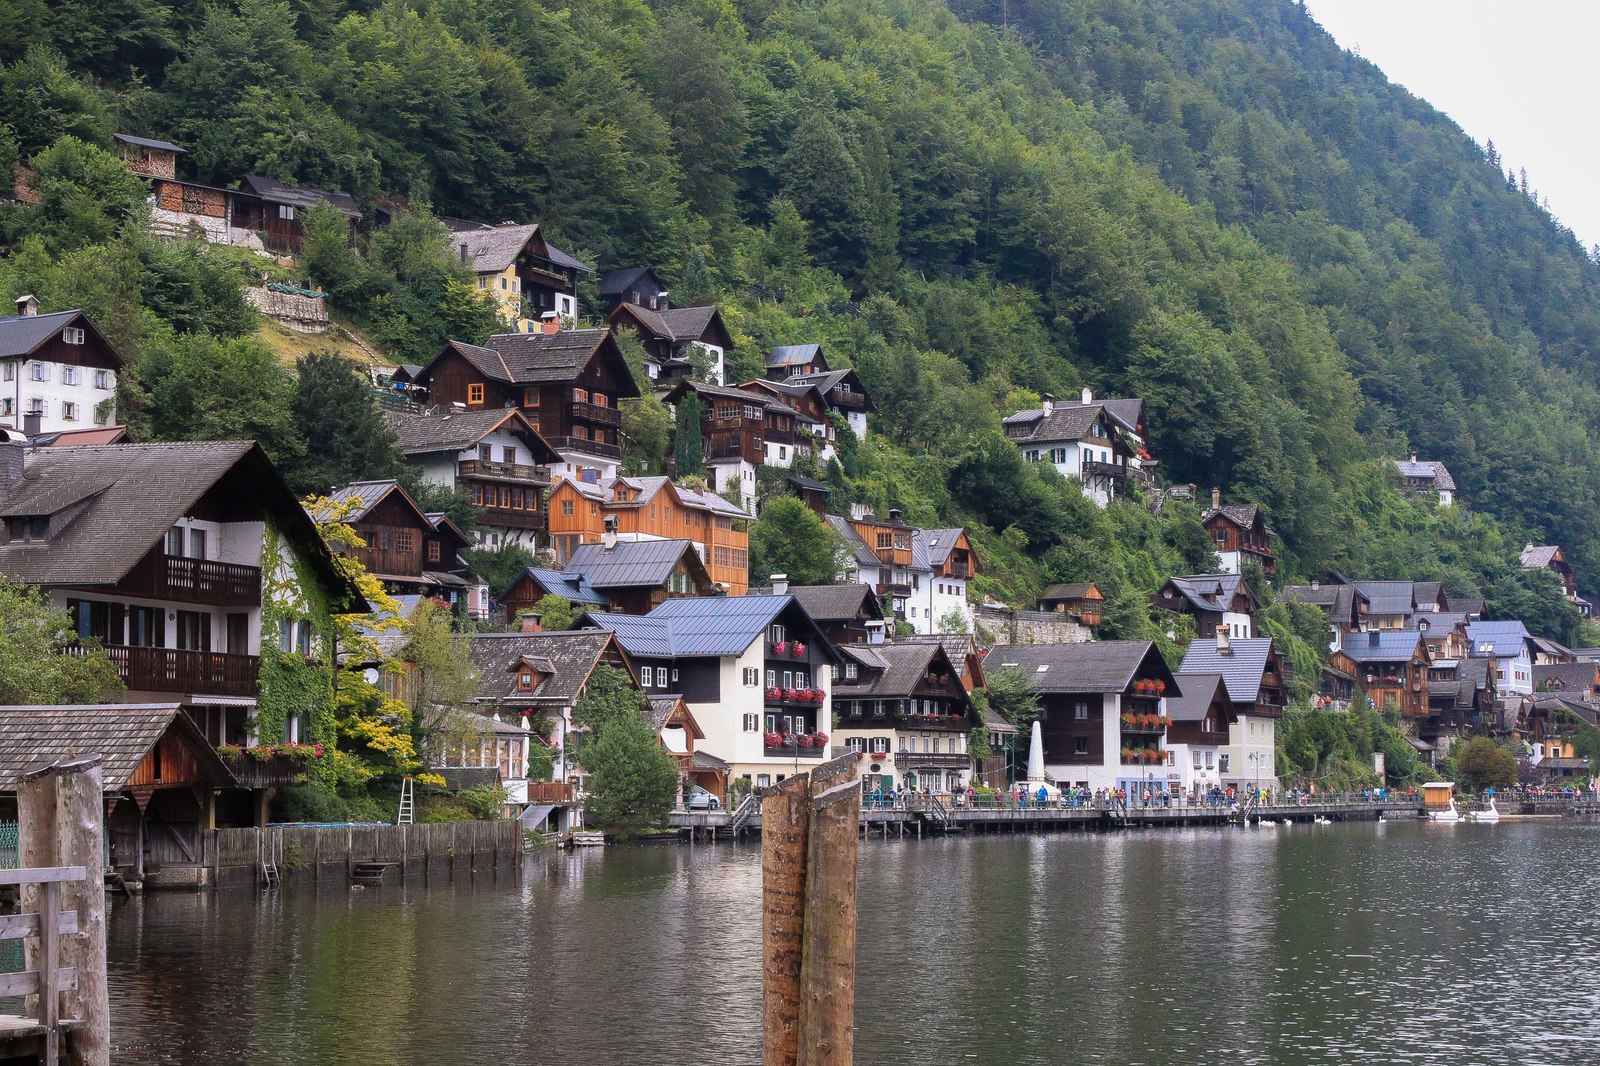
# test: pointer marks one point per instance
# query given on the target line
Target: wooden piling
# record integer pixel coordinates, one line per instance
(785, 820)
(828, 964)
(60, 817)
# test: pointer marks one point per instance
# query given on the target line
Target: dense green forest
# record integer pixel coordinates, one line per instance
(1303, 270)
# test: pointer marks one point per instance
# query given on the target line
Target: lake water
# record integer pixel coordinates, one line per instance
(1394, 942)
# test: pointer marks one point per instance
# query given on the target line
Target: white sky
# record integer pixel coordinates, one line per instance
(1518, 73)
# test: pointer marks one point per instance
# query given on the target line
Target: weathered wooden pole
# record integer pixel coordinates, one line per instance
(60, 817)
(828, 965)
(785, 821)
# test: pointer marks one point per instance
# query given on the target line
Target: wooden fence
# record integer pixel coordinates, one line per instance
(446, 850)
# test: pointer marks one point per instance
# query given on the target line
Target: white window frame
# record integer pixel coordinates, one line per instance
(72, 335)
(70, 375)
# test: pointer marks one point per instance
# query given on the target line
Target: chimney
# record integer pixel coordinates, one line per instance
(1223, 647)
(1216, 498)
(32, 424)
(532, 622)
(27, 306)
(875, 630)
(664, 301)
(609, 537)
(550, 323)
(780, 584)
(1049, 403)
(1413, 457)
(894, 515)
(1088, 395)
(1315, 584)
(12, 452)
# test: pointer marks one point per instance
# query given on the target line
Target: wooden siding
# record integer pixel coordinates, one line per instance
(169, 763)
(1060, 728)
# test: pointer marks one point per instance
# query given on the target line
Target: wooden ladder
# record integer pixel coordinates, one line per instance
(407, 803)
(268, 858)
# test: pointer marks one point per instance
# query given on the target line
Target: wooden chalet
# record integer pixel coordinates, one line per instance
(848, 613)
(672, 334)
(1213, 600)
(1080, 601)
(904, 705)
(787, 360)
(526, 275)
(739, 424)
(1240, 535)
(1392, 669)
(842, 393)
(1255, 677)
(1551, 557)
(633, 285)
(631, 576)
(161, 780)
(272, 209)
(401, 541)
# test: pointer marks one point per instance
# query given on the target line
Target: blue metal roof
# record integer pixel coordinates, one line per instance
(1241, 668)
(568, 586)
(1390, 645)
(709, 626)
(640, 635)
(1506, 637)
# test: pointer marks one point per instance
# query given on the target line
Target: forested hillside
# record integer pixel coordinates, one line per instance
(1302, 270)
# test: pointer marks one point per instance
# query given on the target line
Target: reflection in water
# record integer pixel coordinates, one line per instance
(1397, 943)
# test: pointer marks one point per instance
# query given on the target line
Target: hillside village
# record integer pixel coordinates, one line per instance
(211, 587)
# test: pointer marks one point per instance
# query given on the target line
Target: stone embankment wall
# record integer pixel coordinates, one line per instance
(306, 314)
(1032, 627)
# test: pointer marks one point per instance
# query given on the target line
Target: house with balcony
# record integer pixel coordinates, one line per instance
(1462, 699)
(676, 338)
(495, 456)
(1510, 646)
(653, 508)
(905, 707)
(681, 737)
(1392, 669)
(525, 275)
(921, 573)
(405, 548)
(1393, 604)
(1080, 601)
(755, 671)
(537, 679)
(1197, 735)
(1254, 675)
(1213, 601)
(566, 383)
(57, 373)
(1345, 605)
(1426, 478)
(1086, 442)
(1102, 713)
(740, 431)
(848, 613)
(841, 394)
(188, 562)
(1550, 557)
(627, 576)
(1240, 535)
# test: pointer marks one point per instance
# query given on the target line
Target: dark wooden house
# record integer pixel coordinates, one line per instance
(1080, 601)
(273, 209)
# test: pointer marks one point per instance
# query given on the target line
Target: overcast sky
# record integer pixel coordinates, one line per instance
(1520, 74)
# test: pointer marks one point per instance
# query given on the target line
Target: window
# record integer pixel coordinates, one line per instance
(851, 671)
(197, 544)
(475, 393)
(772, 679)
(598, 399)
(285, 635)
(885, 540)
(286, 211)
(752, 676)
(302, 637)
(194, 631)
(71, 375)
(1080, 710)
(38, 372)
(525, 680)
(502, 283)
(72, 335)
(404, 542)
(1222, 762)
(69, 411)
(530, 397)
(1209, 758)
(566, 507)
(8, 371)
(752, 723)
(36, 406)
(434, 551)
(580, 395)
(763, 780)
(1080, 745)
(1197, 760)
(6, 407)
(508, 453)
(776, 634)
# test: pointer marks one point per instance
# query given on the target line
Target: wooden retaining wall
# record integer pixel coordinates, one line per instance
(437, 852)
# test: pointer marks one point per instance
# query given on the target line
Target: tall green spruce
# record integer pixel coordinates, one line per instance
(632, 779)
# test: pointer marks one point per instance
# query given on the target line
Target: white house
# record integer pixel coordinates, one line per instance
(1509, 644)
(1253, 674)
(57, 373)
(1428, 477)
(1084, 441)
(923, 572)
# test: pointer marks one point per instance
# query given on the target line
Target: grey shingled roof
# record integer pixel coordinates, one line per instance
(455, 431)
(131, 494)
(368, 494)
(538, 358)
(1535, 556)
(642, 636)
(833, 603)
(617, 282)
(123, 733)
(1427, 593)
(20, 335)
(1061, 424)
(1244, 515)
(1208, 592)
(1241, 668)
(796, 355)
(1098, 666)
(574, 655)
(1070, 591)
(1339, 600)
(279, 192)
(1389, 597)
(633, 563)
(493, 248)
(905, 665)
(1199, 690)
(1575, 679)
(1391, 645)
(676, 324)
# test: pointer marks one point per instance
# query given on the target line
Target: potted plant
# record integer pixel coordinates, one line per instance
(802, 741)
(780, 648)
(774, 739)
(799, 650)
(820, 739)
(1127, 754)
(1161, 688)
(774, 693)
(790, 694)
(1127, 720)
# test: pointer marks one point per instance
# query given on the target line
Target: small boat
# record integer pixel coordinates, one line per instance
(1490, 815)
(1449, 814)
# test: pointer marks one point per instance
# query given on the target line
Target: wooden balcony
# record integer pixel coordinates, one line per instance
(511, 518)
(484, 470)
(1110, 471)
(554, 792)
(210, 673)
(586, 446)
(171, 577)
(276, 771)
(588, 412)
(855, 400)
(928, 760)
(959, 569)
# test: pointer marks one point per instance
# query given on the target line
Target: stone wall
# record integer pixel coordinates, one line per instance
(1031, 627)
(305, 314)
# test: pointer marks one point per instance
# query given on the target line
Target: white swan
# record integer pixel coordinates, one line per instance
(1490, 815)
(1320, 820)
(1450, 814)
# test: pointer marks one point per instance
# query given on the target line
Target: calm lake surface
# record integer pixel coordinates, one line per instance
(1399, 942)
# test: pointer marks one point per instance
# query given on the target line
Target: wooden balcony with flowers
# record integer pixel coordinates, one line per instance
(1145, 723)
(787, 649)
(795, 745)
(805, 697)
(270, 765)
(1143, 756)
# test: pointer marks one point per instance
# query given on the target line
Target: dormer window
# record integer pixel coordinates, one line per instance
(525, 681)
(28, 528)
(72, 335)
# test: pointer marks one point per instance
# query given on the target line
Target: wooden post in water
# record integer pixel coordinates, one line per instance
(785, 822)
(59, 815)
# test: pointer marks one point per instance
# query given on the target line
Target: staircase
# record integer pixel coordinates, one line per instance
(370, 873)
(742, 814)
(407, 813)
(535, 814)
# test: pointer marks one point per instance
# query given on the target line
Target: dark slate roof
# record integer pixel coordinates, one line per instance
(676, 324)
(1428, 469)
(1535, 556)
(938, 543)
(21, 335)
(123, 733)
(278, 192)
(617, 282)
(1338, 600)
(1465, 604)
(539, 357)
(1099, 666)
(1427, 592)
(1241, 668)
(827, 383)
(1199, 690)
(131, 494)
(1240, 514)
(904, 666)
(147, 142)
(831, 603)
(807, 483)
(1576, 679)
(368, 494)
(492, 248)
(455, 431)
(567, 586)
(1392, 645)
(1208, 592)
(561, 258)
(573, 654)
(796, 355)
(631, 563)
(1439, 622)
(1507, 638)
(1063, 423)
(1070, 591)
(659, 708)
(1389, 597)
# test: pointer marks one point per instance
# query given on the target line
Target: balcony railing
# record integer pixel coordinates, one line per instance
(556, 792)
(960, 570)
(847, 399)
(928, 760)
(586, 446)
(484, 469)
(211, 673)
(172, 577)
(1114, 471)
(588, 412)
(511, 518)
(784, 751)
(277, 771)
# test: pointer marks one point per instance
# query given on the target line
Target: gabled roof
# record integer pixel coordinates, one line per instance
(573, 655)
(1098, 666)
(122, 733)
(1572, 679)
(68, 438)
(1391, 645)
(133, 493)
(634, 563)
(676, 325)
(711, 626)
(1389, 597)
(1243, 515)
(1554, 649)
(829, 382)
(540, 358)
(20, 335)
(1208, 592)
(147, 142)
(1061, 424)
(1506, 639)
(904, 667)
(278, 192)
(570, 587)
(1241, 668)
(938, 543)
(492, 249)
(646, 487)
(1428, 470)
(852, 540)
(1076, 590)
(833, 603)
(785, 355)
(1427, 593)
(1338, 599)
(1535, 556)
(1199, 692)
(617, 282)
(456, 431)
(368, 494)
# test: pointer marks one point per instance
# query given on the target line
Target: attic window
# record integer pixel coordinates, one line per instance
(72, 335)
(28, 528)
(1041, 668)
(525, 681)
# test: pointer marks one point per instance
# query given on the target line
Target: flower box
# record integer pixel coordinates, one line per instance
(780, 648)
(773, 739)
(790, 694)
(820, 739)
(774, 693)
(798, 650)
